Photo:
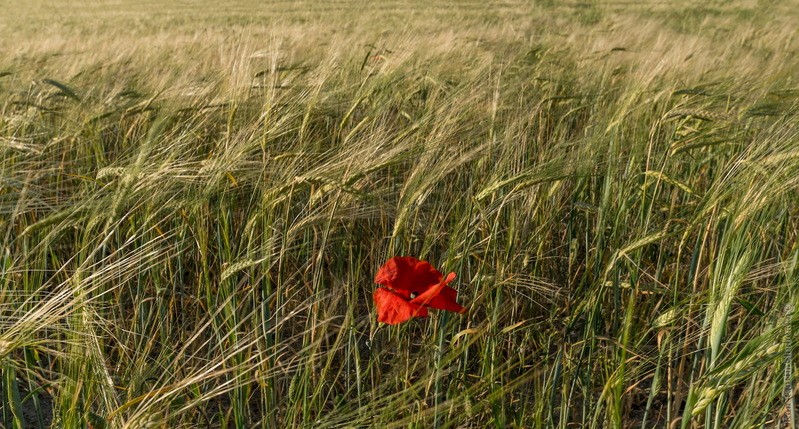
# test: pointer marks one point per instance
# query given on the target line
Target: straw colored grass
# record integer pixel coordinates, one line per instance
(194, 199)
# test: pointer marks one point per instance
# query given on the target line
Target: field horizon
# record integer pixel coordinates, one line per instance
(195, 199)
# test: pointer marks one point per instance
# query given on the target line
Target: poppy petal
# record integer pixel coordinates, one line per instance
(441, 297)
(429, 294)
(446, 301)
(393, 309)
(406, 274)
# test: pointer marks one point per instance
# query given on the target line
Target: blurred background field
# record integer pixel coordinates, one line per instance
(195, 197)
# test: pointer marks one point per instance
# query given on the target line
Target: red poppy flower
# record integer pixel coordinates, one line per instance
(409, 287)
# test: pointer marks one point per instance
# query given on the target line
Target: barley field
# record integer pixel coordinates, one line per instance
(196, 196)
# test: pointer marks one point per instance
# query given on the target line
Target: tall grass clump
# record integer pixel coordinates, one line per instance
(194, 201)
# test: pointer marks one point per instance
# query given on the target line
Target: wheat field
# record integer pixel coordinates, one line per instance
(195, 199)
